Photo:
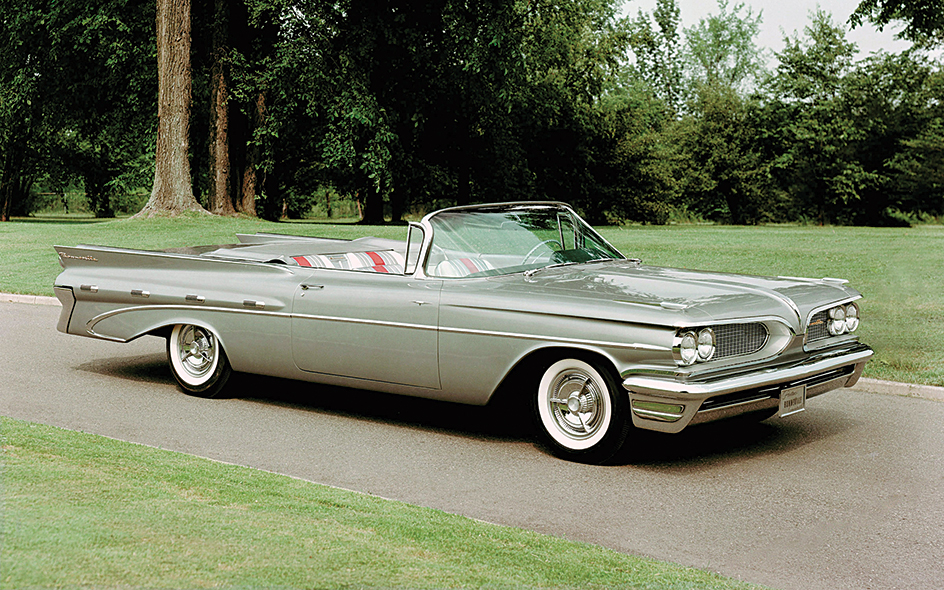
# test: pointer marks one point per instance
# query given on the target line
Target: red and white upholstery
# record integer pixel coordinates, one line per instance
(387, 261)
(460, 267)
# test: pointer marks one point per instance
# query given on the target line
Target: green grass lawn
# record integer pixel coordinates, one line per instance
(83, 511)
(898, 270)
(80, 510)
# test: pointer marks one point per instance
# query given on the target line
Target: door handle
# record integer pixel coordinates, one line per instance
(308, 287)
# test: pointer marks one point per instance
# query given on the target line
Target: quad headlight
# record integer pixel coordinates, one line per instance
(706, 344)
(688, 348)
(843, 319)
(695, 347)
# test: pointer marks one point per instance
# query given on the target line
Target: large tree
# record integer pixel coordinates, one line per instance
(219, 195)
(721, 50)
(923, 19)
(77, 99)
(815, 137)
(172, 192)
(658, 53)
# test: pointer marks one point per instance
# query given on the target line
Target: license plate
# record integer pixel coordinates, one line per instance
(792, 400)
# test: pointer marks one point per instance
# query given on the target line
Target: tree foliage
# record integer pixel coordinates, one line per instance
(658, 53)
(78, 98)
(408, 105)
(923, 19)
(721, 51)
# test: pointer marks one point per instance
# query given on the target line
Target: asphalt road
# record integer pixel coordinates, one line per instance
(849, 494)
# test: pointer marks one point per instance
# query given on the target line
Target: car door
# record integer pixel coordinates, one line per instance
(367, 325)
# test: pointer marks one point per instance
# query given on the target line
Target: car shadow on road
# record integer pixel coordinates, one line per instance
(501, 420)
(725, 441)
(145, 368)
(506, 418)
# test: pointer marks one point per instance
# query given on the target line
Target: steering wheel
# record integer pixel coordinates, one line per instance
(545, 243)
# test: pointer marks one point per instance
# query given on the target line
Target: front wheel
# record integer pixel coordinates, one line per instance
(580, 412)
(197, 360)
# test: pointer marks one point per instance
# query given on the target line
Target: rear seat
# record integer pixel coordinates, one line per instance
(384, 261)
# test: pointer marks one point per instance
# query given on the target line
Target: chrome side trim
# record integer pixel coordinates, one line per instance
(597, 343)
(327, 318)
(90, 325)
(518, 336)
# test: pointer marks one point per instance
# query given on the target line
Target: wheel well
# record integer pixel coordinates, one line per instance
(531, 364)
(166, 330)
(162, 332)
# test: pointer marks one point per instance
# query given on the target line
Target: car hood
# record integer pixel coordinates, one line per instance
(689, 296)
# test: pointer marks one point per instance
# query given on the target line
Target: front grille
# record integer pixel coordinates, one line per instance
(817, 330)
(739, 339)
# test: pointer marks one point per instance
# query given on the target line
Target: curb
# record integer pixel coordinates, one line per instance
(865, 384)
(903, 389)
(31, 299)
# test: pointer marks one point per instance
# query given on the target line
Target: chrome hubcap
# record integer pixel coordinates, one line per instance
(576, 404)
(197, 349)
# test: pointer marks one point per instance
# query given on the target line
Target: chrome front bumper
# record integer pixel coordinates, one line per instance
(669, 405)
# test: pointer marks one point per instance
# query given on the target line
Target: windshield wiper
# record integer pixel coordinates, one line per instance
(530, 273)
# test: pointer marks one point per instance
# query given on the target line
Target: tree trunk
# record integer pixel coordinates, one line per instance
(253, 176)
(464, 194)
(220, 199)
(98, 194)
(172, 192)
(5, 201)
(373, 206)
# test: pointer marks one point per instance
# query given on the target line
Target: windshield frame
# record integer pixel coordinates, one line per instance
(573, 241)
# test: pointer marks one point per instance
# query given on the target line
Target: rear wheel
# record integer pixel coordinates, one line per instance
(197, 360)
(580, 412)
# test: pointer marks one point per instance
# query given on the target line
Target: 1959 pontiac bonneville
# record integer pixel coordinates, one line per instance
(474, 298)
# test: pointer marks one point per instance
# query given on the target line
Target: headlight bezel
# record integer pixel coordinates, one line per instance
(694, 345)
(854, 321)
(705, 344)
(831, 323)
(687, 348)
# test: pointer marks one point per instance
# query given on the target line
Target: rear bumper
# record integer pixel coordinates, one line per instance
(669, 405)
(67, 299)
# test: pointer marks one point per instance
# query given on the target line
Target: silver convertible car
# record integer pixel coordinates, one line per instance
(525, 295)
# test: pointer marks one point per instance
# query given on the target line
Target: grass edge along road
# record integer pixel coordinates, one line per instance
(81, 510)
(896, 269)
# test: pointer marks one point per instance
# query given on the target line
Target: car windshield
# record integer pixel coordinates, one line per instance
(501, 240)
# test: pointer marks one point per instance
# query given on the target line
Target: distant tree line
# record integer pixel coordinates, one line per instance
(409, 105)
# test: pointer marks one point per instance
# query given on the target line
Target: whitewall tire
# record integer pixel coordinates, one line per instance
(580, 412)
(197, 360)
